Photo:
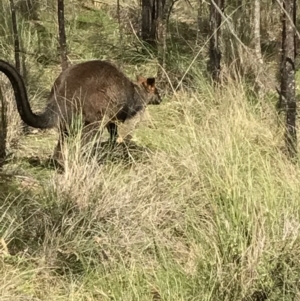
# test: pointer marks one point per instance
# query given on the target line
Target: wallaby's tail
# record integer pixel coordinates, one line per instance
(42, 121)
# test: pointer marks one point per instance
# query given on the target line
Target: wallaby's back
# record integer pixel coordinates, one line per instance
(98, 88)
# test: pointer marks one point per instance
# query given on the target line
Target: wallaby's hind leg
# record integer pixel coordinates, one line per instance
(113, 132)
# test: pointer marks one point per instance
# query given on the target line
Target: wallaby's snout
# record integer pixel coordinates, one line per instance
(153, 95)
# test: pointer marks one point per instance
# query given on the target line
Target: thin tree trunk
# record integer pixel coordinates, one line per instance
(119, 19)
(214, 64)
(148, 31)
(239, 15)
(29, 9)
(256, 32)
(199, 21)
(3, 129)
(153, 13)
(161, 32)
(257, 47)
(62, 34)
(288, 74)
(17, 51)
(154, 28)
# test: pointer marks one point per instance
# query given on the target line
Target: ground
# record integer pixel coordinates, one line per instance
(202, 205)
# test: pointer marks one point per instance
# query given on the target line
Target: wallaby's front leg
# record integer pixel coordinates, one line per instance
(113, 132)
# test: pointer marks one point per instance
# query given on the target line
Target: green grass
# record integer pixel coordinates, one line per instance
(205, 207)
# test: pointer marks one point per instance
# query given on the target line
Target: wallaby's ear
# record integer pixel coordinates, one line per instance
(151, 82)
(140, 79)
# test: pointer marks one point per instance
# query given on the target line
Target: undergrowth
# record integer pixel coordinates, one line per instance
(202, 205)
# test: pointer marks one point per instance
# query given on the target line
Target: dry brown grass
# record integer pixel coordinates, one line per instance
(205, 207)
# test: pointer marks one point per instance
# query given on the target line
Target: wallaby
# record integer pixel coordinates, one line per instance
(95, 89)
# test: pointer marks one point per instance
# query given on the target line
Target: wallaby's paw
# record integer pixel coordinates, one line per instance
(120, 140)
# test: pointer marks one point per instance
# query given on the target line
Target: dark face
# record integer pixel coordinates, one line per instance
(153, 94)
(154, 97)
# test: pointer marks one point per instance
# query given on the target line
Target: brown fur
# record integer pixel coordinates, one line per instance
(95, 89)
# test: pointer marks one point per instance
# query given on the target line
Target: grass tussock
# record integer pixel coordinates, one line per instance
(210, 214)
(202, 205)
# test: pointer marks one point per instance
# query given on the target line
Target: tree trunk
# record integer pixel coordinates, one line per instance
(199, 21)
(3, 129)
(152, 21)
(214, 64)
(256, 32)
(238, 15)
(161, 31)
(62, 34)
(17, 51)
(257, 48)
(148, 32)
(154, 28)
(29, 9)
(119, 19)
(287, 93)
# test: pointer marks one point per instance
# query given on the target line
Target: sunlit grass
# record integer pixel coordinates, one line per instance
(203, 206)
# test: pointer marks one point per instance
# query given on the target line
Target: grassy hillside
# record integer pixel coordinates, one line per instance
(201, 205)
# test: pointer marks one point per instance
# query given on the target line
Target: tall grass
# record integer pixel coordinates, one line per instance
(210, 214)
(205, 208)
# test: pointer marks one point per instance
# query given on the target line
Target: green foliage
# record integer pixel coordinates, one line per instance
(204, 206)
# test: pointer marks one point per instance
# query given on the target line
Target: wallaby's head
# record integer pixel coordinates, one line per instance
(153, 97)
